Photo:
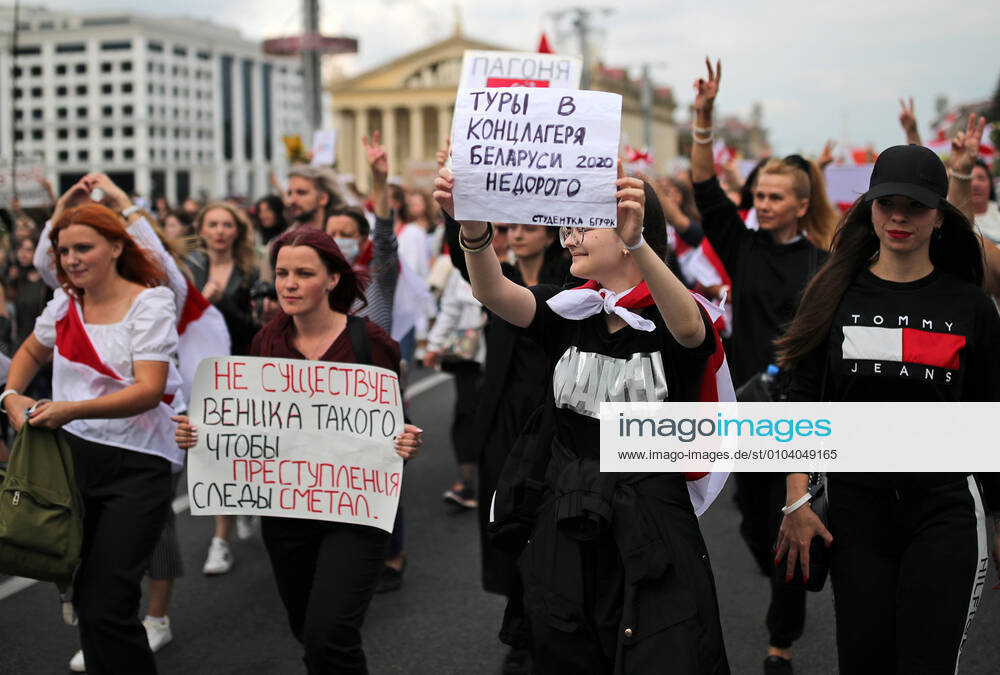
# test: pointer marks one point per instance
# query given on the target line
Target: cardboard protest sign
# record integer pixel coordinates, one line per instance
(844, 184)
(538, 156)
(324, 147)
(293, 438)
(30, 190)
(519, 69)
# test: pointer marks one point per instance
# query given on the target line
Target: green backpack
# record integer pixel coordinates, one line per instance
(41, 512)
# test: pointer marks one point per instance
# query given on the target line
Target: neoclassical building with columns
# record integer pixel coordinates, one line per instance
(411, 100)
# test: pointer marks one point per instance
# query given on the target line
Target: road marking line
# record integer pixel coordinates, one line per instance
(426, 384)
(181, 503)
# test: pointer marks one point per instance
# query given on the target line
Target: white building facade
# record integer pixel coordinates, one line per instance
(172, 107)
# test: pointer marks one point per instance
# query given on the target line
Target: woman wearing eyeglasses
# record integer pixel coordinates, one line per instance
(616, 574)
(769, 268)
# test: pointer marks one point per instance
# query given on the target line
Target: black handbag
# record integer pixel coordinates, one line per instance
(819, 554)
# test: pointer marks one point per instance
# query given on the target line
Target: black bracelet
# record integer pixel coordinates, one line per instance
(476, 246)
(479, 240)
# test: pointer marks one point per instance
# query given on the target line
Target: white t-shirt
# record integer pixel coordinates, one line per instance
(414, 249)
(148, 332)
(988, 223)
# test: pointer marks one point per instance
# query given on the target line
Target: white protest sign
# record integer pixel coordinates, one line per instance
(324, 147)
(844, 184)
(539, 156)
(30, 191)
(519, 69)
(294, 438)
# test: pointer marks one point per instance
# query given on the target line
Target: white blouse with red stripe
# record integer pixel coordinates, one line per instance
(93, 360)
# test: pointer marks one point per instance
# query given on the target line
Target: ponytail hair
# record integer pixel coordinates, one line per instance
(808, 183)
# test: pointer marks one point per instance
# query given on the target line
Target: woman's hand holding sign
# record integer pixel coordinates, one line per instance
(443, 186)
(185, 434)
(408, 443)
(631, 208)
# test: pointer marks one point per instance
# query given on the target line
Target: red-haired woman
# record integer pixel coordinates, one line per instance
(110, 332)
(326, 572)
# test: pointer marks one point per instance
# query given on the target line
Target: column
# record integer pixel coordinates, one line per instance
(417, 144)
(361, 171)
(444, 125)
(389, 139)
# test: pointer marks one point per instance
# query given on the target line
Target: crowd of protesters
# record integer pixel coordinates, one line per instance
(512, 311)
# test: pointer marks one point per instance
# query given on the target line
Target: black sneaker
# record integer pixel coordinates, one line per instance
(461, 494)
(775, 665)
(391, 579)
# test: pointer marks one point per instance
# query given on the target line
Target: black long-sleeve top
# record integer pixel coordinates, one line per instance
(933, 339)
(768, 278)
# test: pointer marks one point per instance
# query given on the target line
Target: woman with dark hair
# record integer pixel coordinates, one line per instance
(269, 218)
(326, 571)
(615, 570)
(906, 550)
(769, 267)
(31, 295)
(110, 331)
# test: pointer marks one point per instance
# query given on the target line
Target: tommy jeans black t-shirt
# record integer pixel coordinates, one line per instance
(591, 365)
(933, 339)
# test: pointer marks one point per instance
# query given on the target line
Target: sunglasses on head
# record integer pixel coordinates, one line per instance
(799, 162)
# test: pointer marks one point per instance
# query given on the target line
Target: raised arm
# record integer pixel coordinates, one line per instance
(961, 160)
(825, 158)
(515, 304)
(378, 160)
(677, 306)
(702, 157)
(908, 120)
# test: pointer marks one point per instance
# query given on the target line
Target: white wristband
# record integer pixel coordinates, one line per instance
(638, 244)
(8, 393)
(797, 504)
(128, 211)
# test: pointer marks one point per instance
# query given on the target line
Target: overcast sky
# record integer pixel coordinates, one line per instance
(821, 70)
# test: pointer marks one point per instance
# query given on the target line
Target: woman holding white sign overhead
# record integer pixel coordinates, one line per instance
(110, 333)
(616, 574)
(898, 313)
(326, 571)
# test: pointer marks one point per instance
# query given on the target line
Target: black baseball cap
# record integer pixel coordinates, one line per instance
(912, 171)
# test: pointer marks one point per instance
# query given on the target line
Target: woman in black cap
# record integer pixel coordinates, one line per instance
(908, 551)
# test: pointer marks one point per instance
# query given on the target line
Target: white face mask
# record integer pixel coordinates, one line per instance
(349, 247)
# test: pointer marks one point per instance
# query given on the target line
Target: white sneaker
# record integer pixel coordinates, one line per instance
(245, 526)
(158, 634)
(220, 558)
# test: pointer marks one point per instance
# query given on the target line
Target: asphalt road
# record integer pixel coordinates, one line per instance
(440, 622)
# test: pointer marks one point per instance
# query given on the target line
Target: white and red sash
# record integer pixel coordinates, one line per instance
(715, 385)
(201, 329)
(79, 373)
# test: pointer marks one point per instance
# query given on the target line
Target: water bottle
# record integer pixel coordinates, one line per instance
(759, 389)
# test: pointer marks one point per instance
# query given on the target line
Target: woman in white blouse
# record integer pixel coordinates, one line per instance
(110, 331)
